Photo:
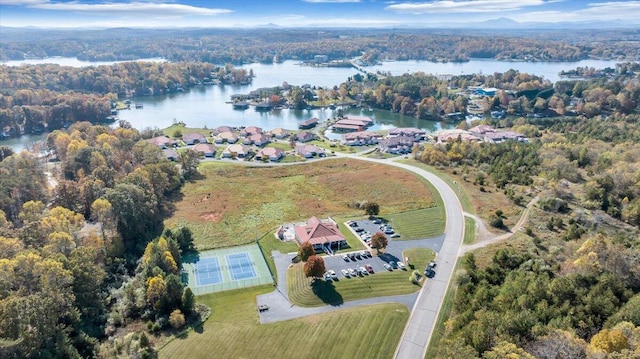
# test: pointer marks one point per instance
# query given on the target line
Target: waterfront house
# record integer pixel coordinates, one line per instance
(310, 123)
(416, 133)
(352, 124)
(222, 129)
(361, 138)
(454, 134)
(259, 139)
(305, 136)
(193, 138)
(241, 105)
(321, 234)
(205, 149)
(398, 145)
(271, 153)
(279, 133)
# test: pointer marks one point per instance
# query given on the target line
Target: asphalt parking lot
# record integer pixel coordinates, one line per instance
(393, 252)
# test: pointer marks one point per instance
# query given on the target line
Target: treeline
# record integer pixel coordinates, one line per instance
(38, 97)
(541, 305)
(70, 258)
(268, 45)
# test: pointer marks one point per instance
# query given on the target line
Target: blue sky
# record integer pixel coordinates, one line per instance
(305, 13)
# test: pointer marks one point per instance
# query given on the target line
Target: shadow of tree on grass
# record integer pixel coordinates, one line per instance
(326, 291)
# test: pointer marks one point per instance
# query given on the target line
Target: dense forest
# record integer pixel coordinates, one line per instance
(86, 254)
(221, 46)
(38, 97)
(572, 290)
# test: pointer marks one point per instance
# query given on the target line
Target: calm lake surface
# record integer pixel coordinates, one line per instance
(206, 105)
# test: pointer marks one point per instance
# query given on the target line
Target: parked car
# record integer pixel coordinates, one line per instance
(333, 274)
(431, 265)
(389, 231)
(377, 221)
(387, 267)
(359, 229)
(345, 257)
(369, 268)
(364, 255)
(327, 277)
(263, 307)
(364, 271)
(429, 273)
(368, 254)
(402, 266)
(395, 235)
(352, 272)
(358, 256)
(345, 273)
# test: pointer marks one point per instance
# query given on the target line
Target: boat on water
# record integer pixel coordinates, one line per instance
(139, 105)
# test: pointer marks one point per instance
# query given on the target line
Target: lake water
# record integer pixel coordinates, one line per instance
(206, 105)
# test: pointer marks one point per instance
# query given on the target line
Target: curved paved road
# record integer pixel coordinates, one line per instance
(419, 328)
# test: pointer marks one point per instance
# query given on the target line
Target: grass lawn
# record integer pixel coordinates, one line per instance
(169, 131)
(418, 224)
(308, 293)
(469, 230)
(233, 205)
(269, 243)
(233, 331)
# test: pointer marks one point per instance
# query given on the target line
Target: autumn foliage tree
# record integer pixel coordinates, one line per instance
(314, 267)
(305, 251)
(379, 241)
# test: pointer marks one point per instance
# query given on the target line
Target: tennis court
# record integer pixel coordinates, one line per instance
(225, 269)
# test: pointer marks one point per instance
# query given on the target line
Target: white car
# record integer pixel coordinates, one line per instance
(363, 271)
(345, 273)
(402, 266)
(333, 274)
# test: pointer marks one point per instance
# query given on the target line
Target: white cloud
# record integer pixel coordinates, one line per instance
(330, 1)
(153, 8)
(604, 11)
(464, 6)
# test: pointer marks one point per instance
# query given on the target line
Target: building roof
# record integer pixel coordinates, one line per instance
(259, 138)
(279, 131)
(360, 135)
(195, 137)
(237, 148)
(222, 129)
(162, 141)
(482, 129)
(397, 141)
(347, 127)
(252, 130)
(406, 131)
(227, 135)
(205, 148)
(308, 149)
(270, 152)
(365, 119)
(309, 122)
(305, 134)
(352, 122)
(318, 232)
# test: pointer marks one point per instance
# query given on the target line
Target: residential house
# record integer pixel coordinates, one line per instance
(352, 124)
(416, 133)
(271, 153)
(305, 136)
(361, 138)
(222, 129)
(260, 139)
(309, 151)
(170, 154)
(228, 137)
(310, 123)
(398, 145)
(205, 149)
(250, 130)
(236, 151)
(163, 142)
(279, 133)
(455, 134)
(322, 234)
(193, 138)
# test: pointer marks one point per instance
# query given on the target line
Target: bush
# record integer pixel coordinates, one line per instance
(176, 319)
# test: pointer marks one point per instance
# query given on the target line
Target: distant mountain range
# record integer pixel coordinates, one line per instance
(506, 23)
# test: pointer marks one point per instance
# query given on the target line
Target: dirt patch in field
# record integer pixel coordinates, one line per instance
(214, 217)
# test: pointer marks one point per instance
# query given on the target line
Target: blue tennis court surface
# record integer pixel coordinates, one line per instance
(240, 266)
(226, 269)
(208, 271)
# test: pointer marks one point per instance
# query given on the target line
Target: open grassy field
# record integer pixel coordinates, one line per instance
(171, 130)
(473, 200)
(233, 331)
(234, 205)
(308, 293)
(418, 224)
